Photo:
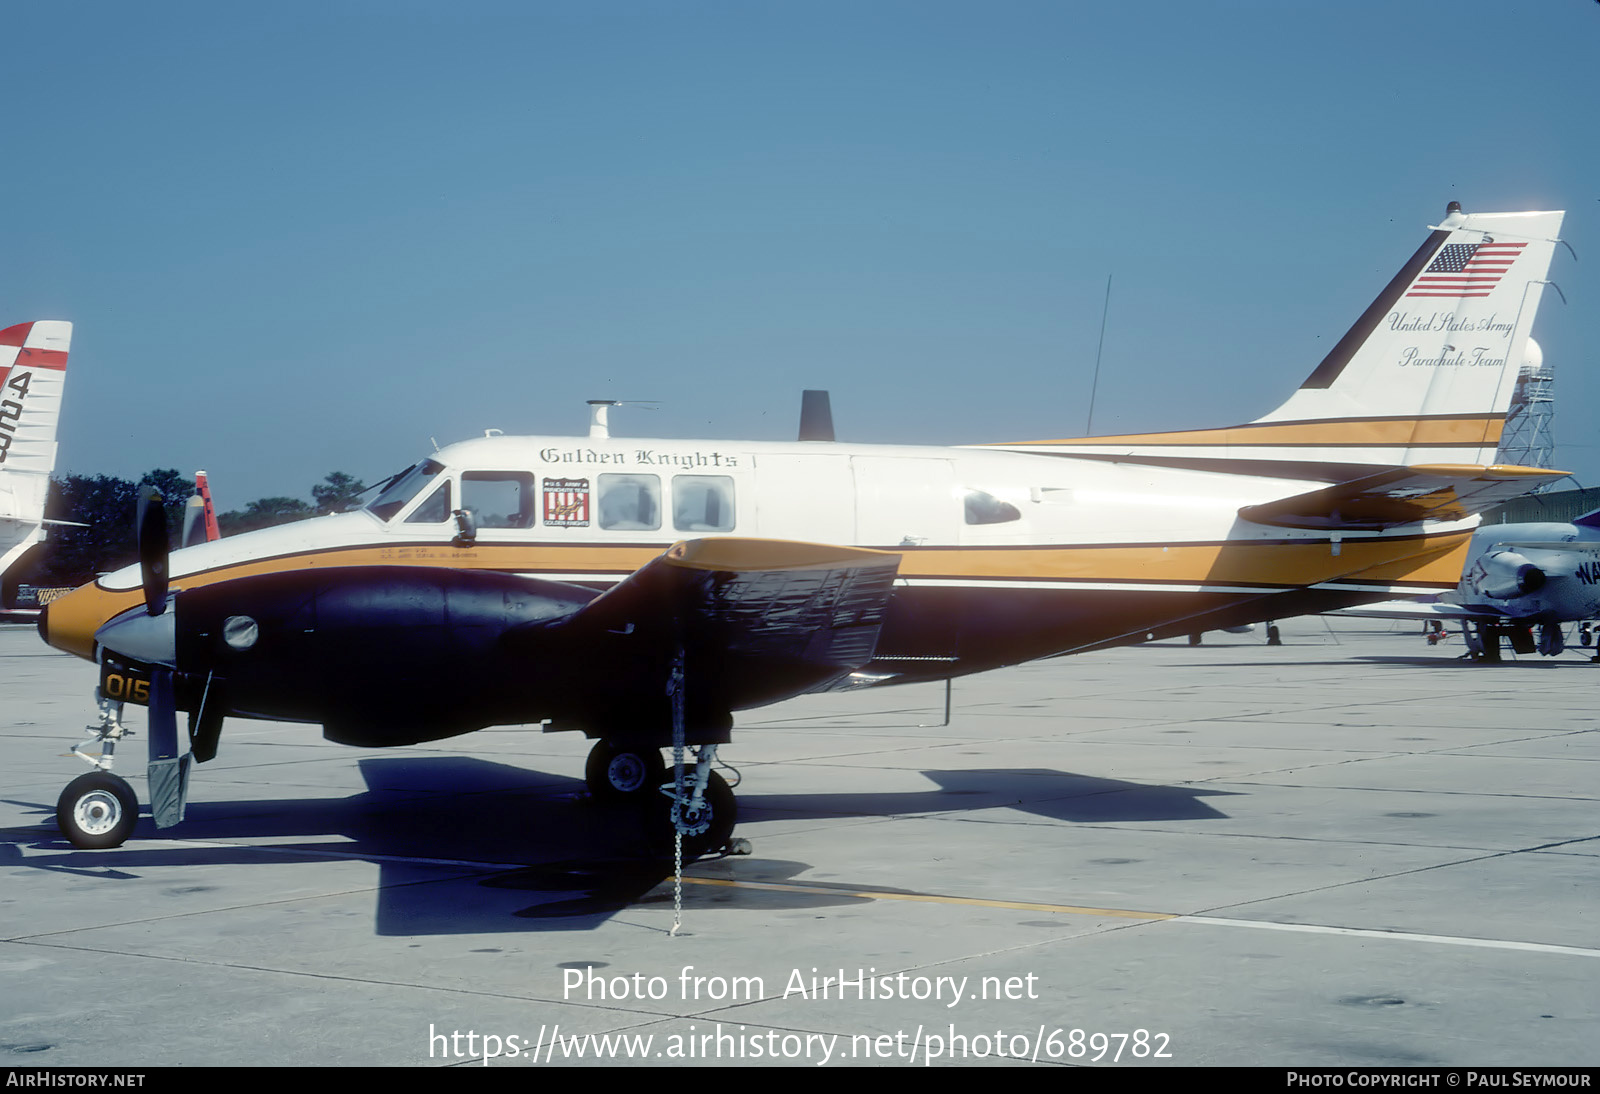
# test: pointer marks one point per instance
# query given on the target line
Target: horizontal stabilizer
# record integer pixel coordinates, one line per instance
(1410, 609)
(1403, 495)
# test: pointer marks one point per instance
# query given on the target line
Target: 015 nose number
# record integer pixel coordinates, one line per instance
(123, 683)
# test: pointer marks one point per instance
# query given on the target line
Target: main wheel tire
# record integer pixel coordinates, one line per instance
(710, 829)
(97, 810)
(616, 772)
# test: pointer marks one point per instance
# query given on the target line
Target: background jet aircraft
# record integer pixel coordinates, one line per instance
(1518, 577)
(513, 580)
(33, 368)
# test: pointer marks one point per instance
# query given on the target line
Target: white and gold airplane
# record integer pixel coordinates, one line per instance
(641, 591)
(33, 370)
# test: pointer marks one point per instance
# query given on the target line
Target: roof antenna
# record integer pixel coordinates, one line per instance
(1088, 428)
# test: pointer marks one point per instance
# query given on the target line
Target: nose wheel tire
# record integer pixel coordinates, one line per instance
(616, 772)
(97, 811)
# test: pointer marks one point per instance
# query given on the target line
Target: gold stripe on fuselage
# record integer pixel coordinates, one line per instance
(1341, 433)
(1265, 564)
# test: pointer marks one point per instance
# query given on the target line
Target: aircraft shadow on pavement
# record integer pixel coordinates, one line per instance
(463, 843)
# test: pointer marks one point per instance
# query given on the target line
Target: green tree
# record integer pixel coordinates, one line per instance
(99, 534)
(263, 513)
(175, 489)
(104, 506)
(337, 492)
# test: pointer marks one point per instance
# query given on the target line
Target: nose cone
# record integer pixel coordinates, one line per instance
(140, 636)
(69, 622)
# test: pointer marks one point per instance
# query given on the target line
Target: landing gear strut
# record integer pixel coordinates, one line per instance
(1483, 642)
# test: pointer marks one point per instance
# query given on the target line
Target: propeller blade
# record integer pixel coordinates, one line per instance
(816, 416)
(151, 521)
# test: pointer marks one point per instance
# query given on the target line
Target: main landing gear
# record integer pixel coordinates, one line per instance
(616, 772)
(98, 810)
(704, 810)
(1483, 639)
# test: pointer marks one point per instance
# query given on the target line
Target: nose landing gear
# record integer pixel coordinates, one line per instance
(99, 810)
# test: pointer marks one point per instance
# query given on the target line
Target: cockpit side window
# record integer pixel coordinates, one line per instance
(499, 499)
(630, 503)
(436, 510)
(402, 488)
(702, 503)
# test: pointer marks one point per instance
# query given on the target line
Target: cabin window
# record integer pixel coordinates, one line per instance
(702, 503)
(630, 503)
(983, 507)
(436, 510)
(499, 499)
(403, 487)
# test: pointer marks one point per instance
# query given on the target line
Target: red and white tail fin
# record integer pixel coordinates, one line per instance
(199, 517)
(1425, 376)
(33, 369)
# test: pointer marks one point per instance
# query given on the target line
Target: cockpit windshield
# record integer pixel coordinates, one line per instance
(402, 488)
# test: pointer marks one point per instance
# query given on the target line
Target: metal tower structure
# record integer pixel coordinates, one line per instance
(1528, 440)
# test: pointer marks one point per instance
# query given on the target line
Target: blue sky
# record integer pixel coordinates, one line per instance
(305, 237)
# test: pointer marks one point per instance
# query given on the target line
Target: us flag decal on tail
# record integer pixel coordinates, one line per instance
(1466, 269)
(566, 502)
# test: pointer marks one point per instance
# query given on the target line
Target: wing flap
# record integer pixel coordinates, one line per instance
(1403, 495)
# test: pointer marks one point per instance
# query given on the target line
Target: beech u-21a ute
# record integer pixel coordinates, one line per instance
(642, 591)
(33, 369)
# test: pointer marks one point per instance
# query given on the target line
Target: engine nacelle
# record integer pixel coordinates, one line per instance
(1504, 575)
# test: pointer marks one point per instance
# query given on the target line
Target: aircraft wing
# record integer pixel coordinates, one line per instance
(756, 620)
(1403, 495)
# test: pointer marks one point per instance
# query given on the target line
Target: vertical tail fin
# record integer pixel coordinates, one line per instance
(1428, 371)
(199, 518)
(1425, 375)
(33, 367)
